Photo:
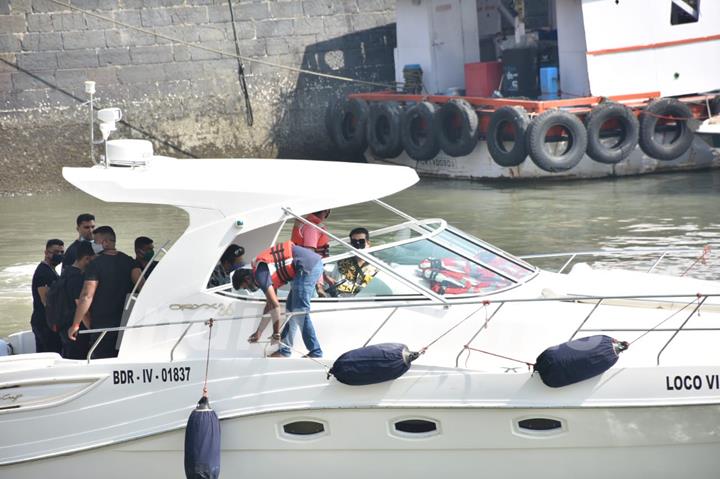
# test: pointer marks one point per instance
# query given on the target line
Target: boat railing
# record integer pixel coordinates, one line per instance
(157, 256)
(572, 256)
(697, 299)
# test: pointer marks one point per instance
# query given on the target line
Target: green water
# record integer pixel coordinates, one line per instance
(660, 211)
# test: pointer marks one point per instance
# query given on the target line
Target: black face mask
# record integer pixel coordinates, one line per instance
(57, 258)
(358, 243)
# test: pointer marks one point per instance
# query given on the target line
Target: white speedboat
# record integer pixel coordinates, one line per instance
(468, 404)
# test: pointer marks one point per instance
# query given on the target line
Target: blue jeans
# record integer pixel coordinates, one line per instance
(301, 292)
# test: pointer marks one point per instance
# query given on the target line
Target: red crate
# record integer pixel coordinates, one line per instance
(482, 78)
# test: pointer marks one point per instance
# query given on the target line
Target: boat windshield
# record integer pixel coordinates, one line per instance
(433, 256)
(446, 263)
(417, 258)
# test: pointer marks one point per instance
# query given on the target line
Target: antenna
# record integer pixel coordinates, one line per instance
(108, 118)
(90, 90)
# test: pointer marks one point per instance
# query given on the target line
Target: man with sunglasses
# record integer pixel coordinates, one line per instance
(353, 274)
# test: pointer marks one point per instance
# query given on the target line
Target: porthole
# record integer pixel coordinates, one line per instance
(304, 428)
(539, 424)
(416, 426)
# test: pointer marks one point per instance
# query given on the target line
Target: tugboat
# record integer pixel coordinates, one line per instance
(582, 88)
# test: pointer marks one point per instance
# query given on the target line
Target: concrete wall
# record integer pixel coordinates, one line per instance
(188, 99)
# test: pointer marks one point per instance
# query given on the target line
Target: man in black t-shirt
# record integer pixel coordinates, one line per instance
(74, 279)
(46, 341)
(108, 280)
(85, 226)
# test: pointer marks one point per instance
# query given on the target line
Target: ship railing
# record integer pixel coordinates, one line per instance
(625, 254)
(697, 299)
(157, 256)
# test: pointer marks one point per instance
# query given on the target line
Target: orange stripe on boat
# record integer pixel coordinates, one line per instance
(651, 46)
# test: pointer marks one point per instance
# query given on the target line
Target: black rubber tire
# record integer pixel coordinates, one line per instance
(648, 121)
(346, 122)
(540, 125)
(715, 106)
(383, 129)
(418, 133)
(518, 118)
(629, 125)
(457, 127)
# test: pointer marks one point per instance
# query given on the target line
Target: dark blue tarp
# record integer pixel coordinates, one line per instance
(202, 443)
(577, 360)
(372, 364)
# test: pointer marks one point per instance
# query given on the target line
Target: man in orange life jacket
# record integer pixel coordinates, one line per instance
(312, 238)
(274, 267)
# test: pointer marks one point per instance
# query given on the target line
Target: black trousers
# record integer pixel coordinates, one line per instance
(46, 340)
(106, 347)
(77, 349)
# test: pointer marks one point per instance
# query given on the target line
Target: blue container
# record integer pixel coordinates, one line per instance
(412, 75)
(549, 82)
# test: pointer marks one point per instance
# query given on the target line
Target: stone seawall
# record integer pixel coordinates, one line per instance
(187, 100)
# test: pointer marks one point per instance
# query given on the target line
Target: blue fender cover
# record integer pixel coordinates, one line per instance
(372, 364)
(577, 360)
(202, 443)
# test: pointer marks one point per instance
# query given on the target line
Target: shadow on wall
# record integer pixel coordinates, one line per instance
(366, 55)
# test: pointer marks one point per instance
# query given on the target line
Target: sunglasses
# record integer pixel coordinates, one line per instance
(358, 243)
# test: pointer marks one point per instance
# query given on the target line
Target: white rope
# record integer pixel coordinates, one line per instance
(223, 53)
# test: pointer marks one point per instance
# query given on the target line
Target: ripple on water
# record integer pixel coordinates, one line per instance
(16, 279)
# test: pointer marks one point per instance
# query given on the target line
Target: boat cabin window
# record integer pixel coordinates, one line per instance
(684, 11)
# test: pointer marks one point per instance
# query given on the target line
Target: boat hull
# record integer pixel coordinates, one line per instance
(657, 442)
(480, 165)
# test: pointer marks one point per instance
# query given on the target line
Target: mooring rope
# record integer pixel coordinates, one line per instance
(249, 118)
(702, 257)
(483, 305)
(221, 52)
(143, 132)
(666, 319)
(210, 323)
(528, 364)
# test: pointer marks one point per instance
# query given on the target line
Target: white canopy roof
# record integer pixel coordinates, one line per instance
(232, 186)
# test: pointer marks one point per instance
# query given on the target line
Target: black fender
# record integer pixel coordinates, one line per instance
(383, 129)
(536, 144)
(629, 132)
(502, 118)
(457, 127)
(346, 123)
(651, 115)
(418, 133)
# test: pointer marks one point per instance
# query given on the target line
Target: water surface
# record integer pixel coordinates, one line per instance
(659, 211)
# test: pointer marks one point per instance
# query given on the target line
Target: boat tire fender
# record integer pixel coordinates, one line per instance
(457, 127)
(514, 116)
(715, 106)
(536, 135)
(656, 109)
(346, 123)
(418, 133)
(383, 129)
(628, 124)
(372, 364)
